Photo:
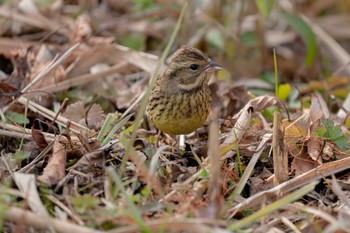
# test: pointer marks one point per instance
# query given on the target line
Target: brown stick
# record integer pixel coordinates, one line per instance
(321, 171)
(280, 155)
(25, 217)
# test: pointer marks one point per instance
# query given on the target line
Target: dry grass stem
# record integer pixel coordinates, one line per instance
(292, 184)
(37, 108)
(18, 215)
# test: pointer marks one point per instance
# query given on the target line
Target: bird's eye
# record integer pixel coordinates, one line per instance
(193, 66)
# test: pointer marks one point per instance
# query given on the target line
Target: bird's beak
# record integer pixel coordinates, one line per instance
(212, 67)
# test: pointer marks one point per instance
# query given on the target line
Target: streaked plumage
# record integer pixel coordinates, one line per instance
(181, 99)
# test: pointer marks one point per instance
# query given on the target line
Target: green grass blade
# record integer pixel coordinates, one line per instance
(272, 207)
(121, 123)
(265, 6)
(304, 30)
(133, 213)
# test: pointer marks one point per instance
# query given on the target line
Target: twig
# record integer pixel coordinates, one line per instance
(83, 79)
(18, 215)
(298, 181)
(280, 155)
(51, 67)
(37, 108)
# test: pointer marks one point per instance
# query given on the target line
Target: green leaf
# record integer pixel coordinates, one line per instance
(268, 77)
(342, 142)
(145, 192)
(304, 30)
(248, 38)
(328, 130)
(20, 155)
(142, 5)
(284, 91)
(204, 174)
(265, 6)
(267, 210)
(84, 203)
(134, 41)
(16, 117)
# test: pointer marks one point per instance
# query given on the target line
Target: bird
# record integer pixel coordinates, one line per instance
(180, 100)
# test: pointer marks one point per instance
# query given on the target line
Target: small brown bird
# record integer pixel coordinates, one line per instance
(181, 99)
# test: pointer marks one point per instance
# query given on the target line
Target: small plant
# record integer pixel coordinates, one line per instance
(328, 130)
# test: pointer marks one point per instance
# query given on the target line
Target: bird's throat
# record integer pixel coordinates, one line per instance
(195, 85)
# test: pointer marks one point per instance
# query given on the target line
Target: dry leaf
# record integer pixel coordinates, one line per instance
(95, 117)
(303, 163)
(95, 55)
(43, 60)
(39, 139)
(315, 111)
(95, 157)
(7, 93)
(315, 148)
(144, 61)
(258, 184)
(229, 98)
(295, 133)
(126, 96)
(76, 112)
(261, 102)
(55, 169)
(241, 126)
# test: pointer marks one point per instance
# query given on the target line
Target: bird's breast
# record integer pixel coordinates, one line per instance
(179, 113)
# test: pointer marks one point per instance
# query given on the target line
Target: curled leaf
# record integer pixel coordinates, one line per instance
(55, 169)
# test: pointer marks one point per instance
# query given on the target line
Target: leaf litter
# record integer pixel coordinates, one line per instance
(71, 167)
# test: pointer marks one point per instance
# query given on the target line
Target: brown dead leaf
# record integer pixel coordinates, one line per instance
(93, 118)
(120, 5)
(303, 163)
(295, 133)
(314, 148)
(308, 149)
(126, 96)
(241, 126)
(258, 184)
(55, 169)
(261, 102)
(76, 112)
(39, 139)
(90, 159)
(91, 56)
(96, 156)
(42, 61)
(315, 111)
(144, 61)
(229, 98)
(7, 93)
